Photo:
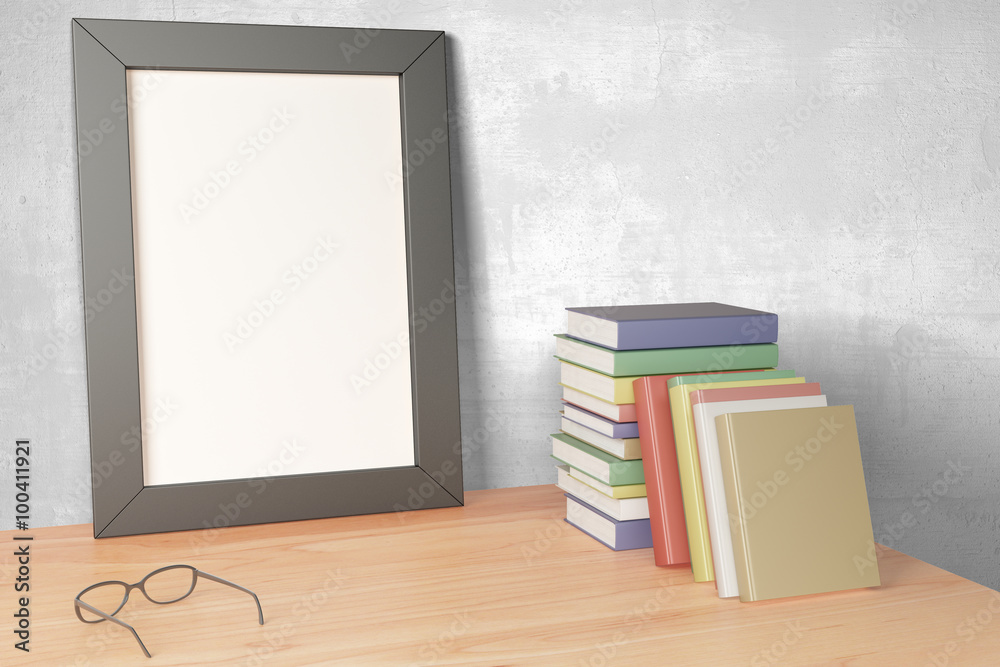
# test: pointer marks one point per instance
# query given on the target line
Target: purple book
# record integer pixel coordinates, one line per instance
(603, 425)
(670, 325)
(619, 535)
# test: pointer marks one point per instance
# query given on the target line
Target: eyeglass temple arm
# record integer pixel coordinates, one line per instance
(125, 625)
(260, 612)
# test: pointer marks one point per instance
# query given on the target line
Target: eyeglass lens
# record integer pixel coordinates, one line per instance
(169, 585)
(108, 597)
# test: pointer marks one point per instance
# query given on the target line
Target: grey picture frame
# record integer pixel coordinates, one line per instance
(103, 51)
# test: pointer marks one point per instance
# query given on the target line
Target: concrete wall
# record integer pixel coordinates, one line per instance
(838, 163)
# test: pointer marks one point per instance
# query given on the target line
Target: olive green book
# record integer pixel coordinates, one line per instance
(798, 507)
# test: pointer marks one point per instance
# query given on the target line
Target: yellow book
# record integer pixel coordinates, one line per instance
(798, 507)
(607, 388)
(688, 461)
(620, 492)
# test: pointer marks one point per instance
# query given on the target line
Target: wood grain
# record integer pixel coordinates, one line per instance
(503, 580)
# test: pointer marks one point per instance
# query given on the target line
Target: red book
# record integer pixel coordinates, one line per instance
(659, 463)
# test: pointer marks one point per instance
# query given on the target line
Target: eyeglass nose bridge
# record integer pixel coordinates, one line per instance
(141, 585)
(131, 587)
(125, 598)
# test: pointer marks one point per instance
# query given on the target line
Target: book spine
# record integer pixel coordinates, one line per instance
(632, 534)
(696, 359)
(598, 464)
(636, 534)
(697, 332)
(622, 472)
(689, 474)
(602, 425)
(722, 552)
(626, 449)
(623, 390)
(666, 512)
(741, 551)
(599, 385)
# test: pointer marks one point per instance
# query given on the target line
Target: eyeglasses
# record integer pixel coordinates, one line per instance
(173, 583)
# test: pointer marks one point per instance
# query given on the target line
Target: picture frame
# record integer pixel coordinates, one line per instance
(126, 351)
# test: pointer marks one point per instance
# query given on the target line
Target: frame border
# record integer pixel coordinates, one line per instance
(103, 50)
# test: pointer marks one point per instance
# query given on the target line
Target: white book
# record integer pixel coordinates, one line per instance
(616, 534)
(581, 460)
(621, 509)
(612, 411)
(590, 382)
(711, 476)
(584, 354)
(623, 448)
(608, 427)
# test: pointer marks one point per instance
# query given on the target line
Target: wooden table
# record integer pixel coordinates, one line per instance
(503, 580)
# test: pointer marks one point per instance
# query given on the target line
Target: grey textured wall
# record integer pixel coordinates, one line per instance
(838, 163)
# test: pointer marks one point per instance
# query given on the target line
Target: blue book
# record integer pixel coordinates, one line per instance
(602, 425)
(666, 325)
(619, 535)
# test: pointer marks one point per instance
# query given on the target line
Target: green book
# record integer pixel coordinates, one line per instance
(766, 374)
(596, 463)
(619, 363)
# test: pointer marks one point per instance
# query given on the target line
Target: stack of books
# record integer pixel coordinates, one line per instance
(603, 467)
(748, 474)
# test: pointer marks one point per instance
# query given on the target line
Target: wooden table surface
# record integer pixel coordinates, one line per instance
(503, 580)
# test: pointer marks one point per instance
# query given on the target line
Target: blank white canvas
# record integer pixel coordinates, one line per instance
(270, 274)
(716, 506)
